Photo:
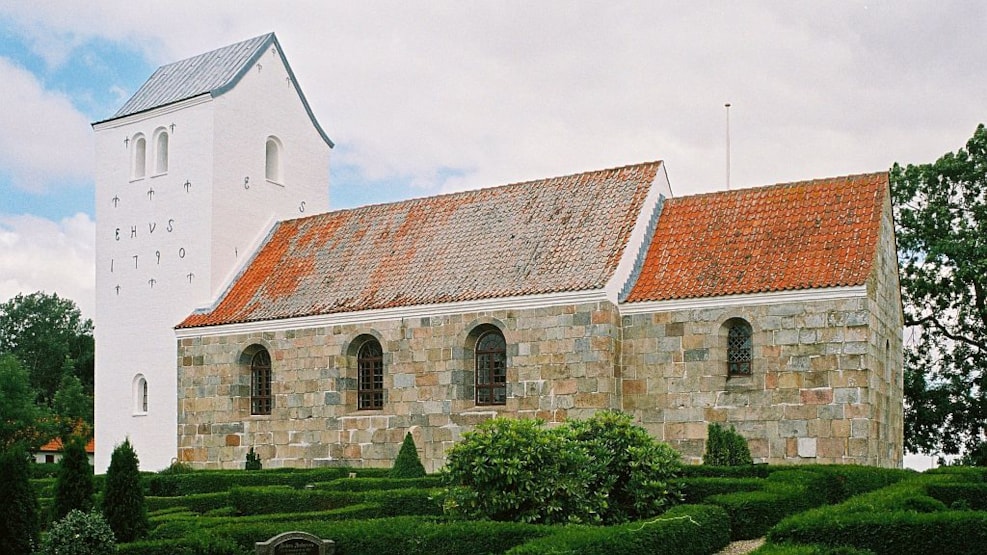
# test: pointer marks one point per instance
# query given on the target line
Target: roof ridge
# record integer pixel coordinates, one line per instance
(453, 194)
(264, 36)
(778, 185)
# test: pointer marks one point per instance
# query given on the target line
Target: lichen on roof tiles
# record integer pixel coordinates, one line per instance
(552, 235)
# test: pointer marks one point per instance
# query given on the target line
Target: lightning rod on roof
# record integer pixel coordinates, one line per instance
(727, 106)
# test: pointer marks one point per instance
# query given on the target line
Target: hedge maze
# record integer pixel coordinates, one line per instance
(804, 510)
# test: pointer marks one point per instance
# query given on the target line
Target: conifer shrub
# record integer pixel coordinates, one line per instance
(123, 502)
(74, 485)
(726, 447)
(253, 461)
(20, 524)
(79, 533)
(407, 464)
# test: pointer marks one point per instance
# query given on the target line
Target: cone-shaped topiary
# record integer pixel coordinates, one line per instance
(74, 487)
(19, 525)
(726, 447)
(408, 465)
(123, 499)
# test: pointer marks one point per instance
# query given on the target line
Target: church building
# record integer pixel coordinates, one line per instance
(233, 312)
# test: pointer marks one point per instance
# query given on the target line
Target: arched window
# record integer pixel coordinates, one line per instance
(272, 165)
(260, 383)
(160, 151)
(491, 369)
(370, 376)
(740, 348)
(140, 394)
(138, 167)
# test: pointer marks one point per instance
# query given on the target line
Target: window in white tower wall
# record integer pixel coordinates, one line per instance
(272, 159)
(138, 165)
(160, 151)
(140, 394)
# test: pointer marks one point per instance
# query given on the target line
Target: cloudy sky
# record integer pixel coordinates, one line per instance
(428, 97)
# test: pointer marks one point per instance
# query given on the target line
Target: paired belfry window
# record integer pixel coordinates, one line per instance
(261, 400)
(138, 163)
(740, 348)
(370, 376)
(491, 369)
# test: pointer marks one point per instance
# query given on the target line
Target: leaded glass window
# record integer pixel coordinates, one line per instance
(261, 400)
(491, 369)
(370, 376)
(740, 351)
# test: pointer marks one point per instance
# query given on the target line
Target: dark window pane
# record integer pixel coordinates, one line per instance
(370, 376)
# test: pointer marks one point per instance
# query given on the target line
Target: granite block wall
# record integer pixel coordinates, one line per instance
(561, 362)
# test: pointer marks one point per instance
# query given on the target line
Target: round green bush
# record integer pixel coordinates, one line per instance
(601, 470)
(79, 533)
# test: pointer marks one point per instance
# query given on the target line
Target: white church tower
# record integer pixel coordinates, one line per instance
(191, 174)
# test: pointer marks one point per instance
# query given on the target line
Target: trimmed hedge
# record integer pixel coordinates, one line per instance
(695, 490)
(686, 530)
(398, 535)
(899, 519)
(786, 492)
(200, 502)
(212, 481)
(751, 471)
(378, 484)
(892, 532)
(960, 496)
(279, 499)
(791, 549)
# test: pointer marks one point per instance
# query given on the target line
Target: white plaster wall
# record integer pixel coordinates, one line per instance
(169, 233)
(263, 103)
(189, 240)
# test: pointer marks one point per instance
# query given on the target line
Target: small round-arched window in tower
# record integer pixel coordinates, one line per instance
(272, 160)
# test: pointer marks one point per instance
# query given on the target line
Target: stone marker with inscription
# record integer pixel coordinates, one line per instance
(295, 543)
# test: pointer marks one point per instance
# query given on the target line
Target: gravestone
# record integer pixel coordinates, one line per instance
(295, 543)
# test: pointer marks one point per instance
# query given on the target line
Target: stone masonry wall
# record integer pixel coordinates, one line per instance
(560, 361)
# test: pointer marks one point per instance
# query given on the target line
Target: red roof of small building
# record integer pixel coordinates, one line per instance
(553, 235)
(55, 446)
(810, 234)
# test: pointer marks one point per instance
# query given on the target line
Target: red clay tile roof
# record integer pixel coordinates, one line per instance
(820, 233)
(553, 235)
(55, 446)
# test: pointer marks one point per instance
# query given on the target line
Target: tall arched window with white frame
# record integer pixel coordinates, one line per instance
(138, 163)
(140, 394)
(160, 151)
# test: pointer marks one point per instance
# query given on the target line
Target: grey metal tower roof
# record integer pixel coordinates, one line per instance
(214, 73)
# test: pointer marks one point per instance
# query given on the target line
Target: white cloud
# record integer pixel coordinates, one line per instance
(45, 140)
(503, 92)
(37, 254)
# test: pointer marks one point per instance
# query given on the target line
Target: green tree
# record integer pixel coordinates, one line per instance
(20, 524)
(73, 407)
(21, 420)
(407, 464)
(123, 496)
(941, 214)
(43, 330)
(74, 486)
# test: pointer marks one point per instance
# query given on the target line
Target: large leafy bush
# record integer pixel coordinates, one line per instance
(601, 470)
(79, 533)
